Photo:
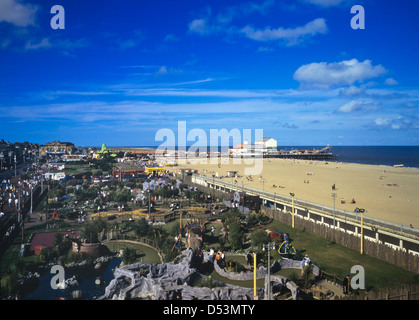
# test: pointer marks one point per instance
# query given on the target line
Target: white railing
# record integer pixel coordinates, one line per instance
(324, 210)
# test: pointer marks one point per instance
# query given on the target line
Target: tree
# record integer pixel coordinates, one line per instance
(129, 255)
(91, 230)
(258, 238)
(231, 216)
(236, 231)
(123, 196)
(46, 255)
(236, 235)
(142, 228)
(104, 165)
(9, 284)
(62, 244)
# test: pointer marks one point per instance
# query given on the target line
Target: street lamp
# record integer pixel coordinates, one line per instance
(263, 192)
(268, 247)
(362, 229)
(292, 195)
(213, 188)
(334, 198)
(31, 199)
(255, 297)
(1, 159)
(10, 159)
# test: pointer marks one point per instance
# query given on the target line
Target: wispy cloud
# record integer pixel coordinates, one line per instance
(17, 13)
(291, 36)
(44, 43)
(136, 39)
(56, 43)
(132, 109)
(325, 3)
(357, 106)
(395, 122)
(391, 82)
(208, 23)
(222, 23)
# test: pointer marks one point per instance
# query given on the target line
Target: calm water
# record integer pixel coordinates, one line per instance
(388, 156)
(86, 285)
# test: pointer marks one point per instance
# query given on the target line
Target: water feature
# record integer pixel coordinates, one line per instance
(86, 278)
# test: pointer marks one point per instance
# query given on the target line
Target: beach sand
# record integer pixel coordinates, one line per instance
(386, 193)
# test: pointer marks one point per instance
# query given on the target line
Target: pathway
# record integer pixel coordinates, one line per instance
(325, 286)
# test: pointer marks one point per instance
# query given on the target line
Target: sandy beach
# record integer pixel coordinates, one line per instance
(386, 193)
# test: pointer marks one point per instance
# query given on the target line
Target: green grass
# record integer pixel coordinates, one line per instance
(336, 259)
(144, 254)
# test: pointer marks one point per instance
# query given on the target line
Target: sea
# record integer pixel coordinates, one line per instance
(378, 155)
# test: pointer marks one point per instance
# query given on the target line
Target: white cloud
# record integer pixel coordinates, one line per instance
(382, 121)
(162, 70)
(44, 43)
(352, 91)
(289, 126)
(65, 44)
(170, 38)
(199, 26)
(325, 3)
(221, 22)
(356, 105)
(132, 42)
(16, 13)
(291, 35)
(391, 82)
(325, 75)
(394, 122)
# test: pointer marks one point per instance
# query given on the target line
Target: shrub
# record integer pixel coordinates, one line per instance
(46, 255)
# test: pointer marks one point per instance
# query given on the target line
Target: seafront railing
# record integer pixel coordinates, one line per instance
(268, 196)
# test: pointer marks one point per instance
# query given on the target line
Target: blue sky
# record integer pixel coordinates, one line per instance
(122, 70)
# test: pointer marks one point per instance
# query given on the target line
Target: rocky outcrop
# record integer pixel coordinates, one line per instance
(168, 281)
(174, 280)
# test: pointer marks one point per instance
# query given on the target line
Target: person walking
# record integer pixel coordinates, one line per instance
(346, 284)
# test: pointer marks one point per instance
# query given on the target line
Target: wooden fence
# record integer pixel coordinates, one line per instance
(403, 292)
(374, 249)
